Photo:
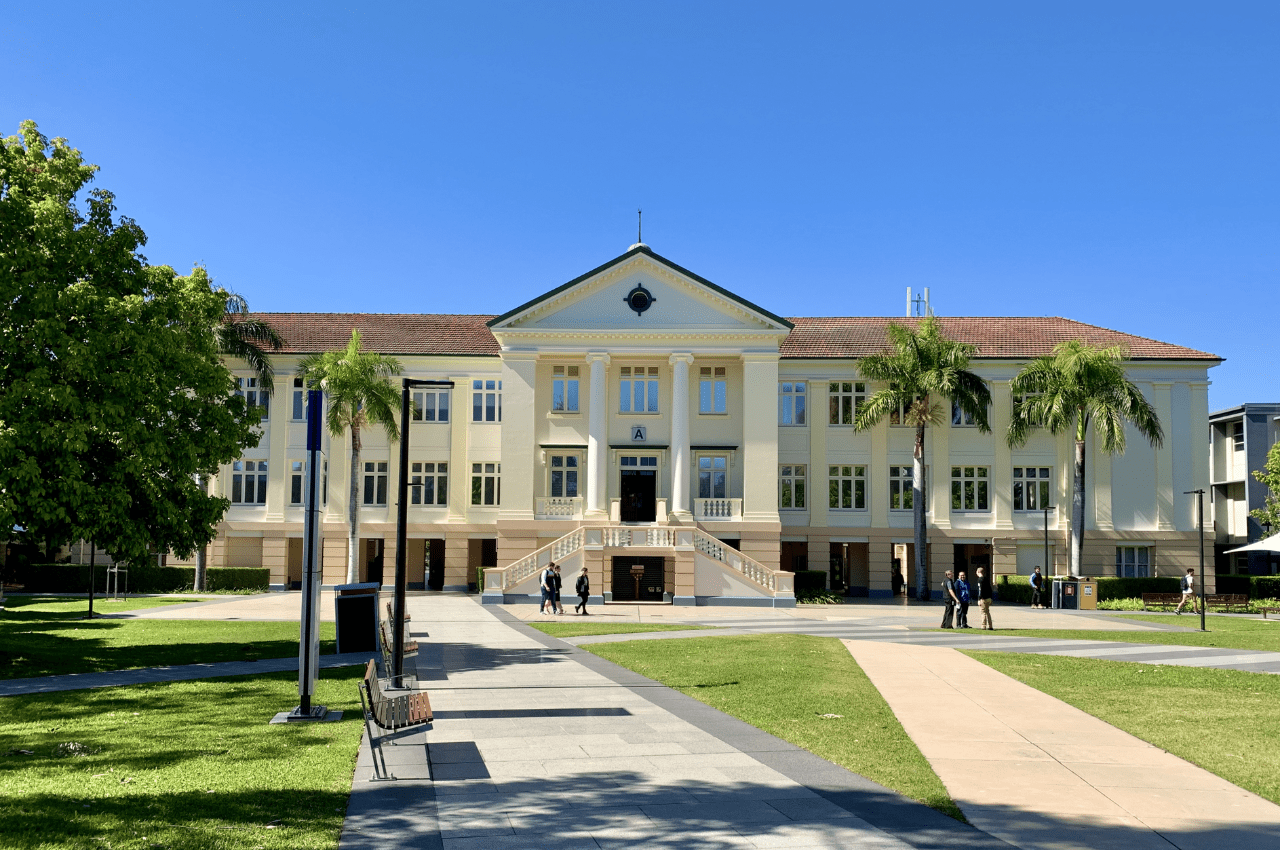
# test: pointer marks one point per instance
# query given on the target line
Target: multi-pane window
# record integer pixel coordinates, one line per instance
(249, 482)
(299, 400)
(1020, 398)
(1031, 487)
(960, 418)
(375, 483)
(254, 395)
(845, 399)
(632, 461)
(791, 485)
(713, 477)
(1237, 436)
(901, 496)
(898, 415)
(486, 401)
(791, 403)
(564, 389)
(428, 483)
(638, 391)
(433, 405)
(1133, 561)
(970, 490)
(847, 487)
(486, 484)
(712, 394)
(298, 478)
(564, 476)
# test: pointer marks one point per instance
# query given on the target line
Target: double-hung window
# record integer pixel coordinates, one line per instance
(428, 483)
(791, 403)
(960, 418)
(432, 406)
(712, 389)
(847, 487)
(970, 490)
(901, 494)
(845, 399)
(298, 482)
(1133, 561)
(375, 483)
(1237, 436)
(486, 484)
(638, 390)
(249, 482)
(713, 477)
(1031, 486)
(564, 389)
(791, 486)
(254, 395)
(563, 469)
(898, 415)
(486, 401)
(299, 411)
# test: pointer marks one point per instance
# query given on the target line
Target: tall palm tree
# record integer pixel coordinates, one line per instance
(1076, 385)
(242, 336)
(360, 393)
(921, 368)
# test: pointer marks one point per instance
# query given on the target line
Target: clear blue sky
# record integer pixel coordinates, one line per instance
(1114, 163)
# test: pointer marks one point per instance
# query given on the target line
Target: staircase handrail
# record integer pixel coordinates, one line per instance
(750, 569)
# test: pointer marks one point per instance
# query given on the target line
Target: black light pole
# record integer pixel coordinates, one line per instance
(1199, 494)
(402, 514)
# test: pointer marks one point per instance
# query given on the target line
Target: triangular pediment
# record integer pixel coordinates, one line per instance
(604, 301)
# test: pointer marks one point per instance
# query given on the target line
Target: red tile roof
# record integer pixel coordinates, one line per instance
(817, 337)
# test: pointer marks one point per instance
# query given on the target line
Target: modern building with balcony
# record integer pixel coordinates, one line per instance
(1240, 438)
(689, 446)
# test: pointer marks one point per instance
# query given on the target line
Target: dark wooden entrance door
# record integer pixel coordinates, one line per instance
(373, 559)
(639, 495)
(433, 551)
(630, 572)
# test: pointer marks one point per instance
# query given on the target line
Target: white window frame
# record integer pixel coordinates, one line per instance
(564, 389)
(248, 476)
(845, 400)
(1025, 499)
(1142, 559)
(437, 472)
(298, 479)
(375, 478)
(709, 469)
(430, 406)
(847, 482)
(971, 487)
(713, 391)
(792, 487)
(900, 478)
(793, 404)
(570, 468)
(960, 418)
(247, 388)
(486, 400)
(486, 484)
(299, 411)
(1237, 436)
(649, 379)
(898, 416)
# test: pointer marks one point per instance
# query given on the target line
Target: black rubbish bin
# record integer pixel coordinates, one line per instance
(1066, 595)
(355, 608)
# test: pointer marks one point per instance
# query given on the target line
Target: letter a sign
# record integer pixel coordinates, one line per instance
(638, 434)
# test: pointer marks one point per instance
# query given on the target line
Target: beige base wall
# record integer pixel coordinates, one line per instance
(275, 557)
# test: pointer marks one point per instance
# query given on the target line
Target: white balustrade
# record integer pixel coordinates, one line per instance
(752, 570)
(558, 507)
(717, 509)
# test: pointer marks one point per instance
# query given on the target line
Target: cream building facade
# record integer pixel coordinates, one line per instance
(688, 446)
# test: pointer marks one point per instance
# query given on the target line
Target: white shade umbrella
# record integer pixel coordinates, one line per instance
(1269, 544)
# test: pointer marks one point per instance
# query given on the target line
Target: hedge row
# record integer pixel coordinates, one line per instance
(1018, 588)
(74, 578)
(1258, 587)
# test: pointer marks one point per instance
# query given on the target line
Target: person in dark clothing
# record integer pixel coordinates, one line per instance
(556, 583)
(1037, 585)
(986, 592)
(548, 586)
(962, 601)
(949, 599)
(583, 588)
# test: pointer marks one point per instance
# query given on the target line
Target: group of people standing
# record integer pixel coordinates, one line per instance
(550, 581)
(957, 594)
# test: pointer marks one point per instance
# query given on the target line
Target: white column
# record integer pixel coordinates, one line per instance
(680, 454)
(596, 435)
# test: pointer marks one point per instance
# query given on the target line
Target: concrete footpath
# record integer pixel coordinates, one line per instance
(1043, 775)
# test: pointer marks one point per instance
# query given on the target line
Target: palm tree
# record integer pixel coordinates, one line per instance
(360, 393)
(1076, 385)
(922, 367)
(240, 335)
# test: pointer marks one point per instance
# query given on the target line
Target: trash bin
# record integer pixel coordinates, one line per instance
(355, 608)
(1066, 595)
(1088, 599)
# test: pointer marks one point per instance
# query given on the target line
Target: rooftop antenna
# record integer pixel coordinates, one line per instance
(639, 223)
(918, 306)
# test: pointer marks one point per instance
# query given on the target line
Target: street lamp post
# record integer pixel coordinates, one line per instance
(1046, 510)
(1199, 494)
(402, 513)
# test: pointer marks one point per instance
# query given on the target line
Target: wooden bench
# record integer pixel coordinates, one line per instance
(395, 711)
(1160, 599)
(1266, 611)
(391, 614)
(1227, 600)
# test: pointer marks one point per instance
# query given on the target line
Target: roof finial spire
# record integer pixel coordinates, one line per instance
(639, 230)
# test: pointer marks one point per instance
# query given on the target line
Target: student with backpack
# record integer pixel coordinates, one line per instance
(1188, 592)
(583, 588)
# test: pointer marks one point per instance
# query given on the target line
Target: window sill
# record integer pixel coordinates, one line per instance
(792, 425)
(712, 413)
(971, 511)
(428, 421)
(565, 414)
(639, 412)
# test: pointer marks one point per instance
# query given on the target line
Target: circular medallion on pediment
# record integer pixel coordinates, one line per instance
(639, 299)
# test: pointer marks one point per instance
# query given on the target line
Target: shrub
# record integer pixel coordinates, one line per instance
(237, 578)
(807, 580)
(817, 597)
(74, 578)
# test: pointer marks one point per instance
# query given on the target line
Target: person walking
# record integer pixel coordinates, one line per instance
(1188, 592)
(986, 590)
(949, 599)
(962, 601)
(547, 584)
(555, 583)
(1037, 586)
(583, 589)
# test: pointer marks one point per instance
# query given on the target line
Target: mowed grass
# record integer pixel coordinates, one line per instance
(43, 637)
(1226, 721)
(177, 765)
(784, 684)
(575, 629)
(1227, 632)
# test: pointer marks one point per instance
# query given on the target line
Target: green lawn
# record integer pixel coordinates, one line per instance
(177, 765)
(43, 637)
(1226, 721)
(783, 684)
(1229, 632)
(563, 630)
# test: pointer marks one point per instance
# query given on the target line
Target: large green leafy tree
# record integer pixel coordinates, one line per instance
(1079, 385)
(113, 397)
(922, 368)
(359, 392)
(1269, 513)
